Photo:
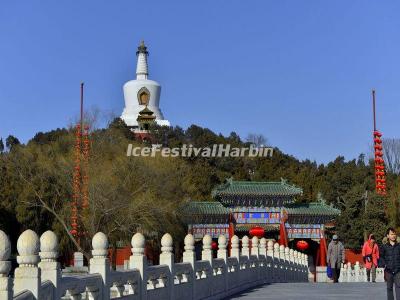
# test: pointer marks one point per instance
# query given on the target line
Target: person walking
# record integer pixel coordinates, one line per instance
(390, 256)
(335, 257)
(370, 253)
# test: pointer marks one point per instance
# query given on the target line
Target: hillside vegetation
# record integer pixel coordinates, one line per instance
(128, 194)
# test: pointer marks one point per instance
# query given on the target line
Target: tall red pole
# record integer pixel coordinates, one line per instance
(81, 121)
(380, 178)
(373, 108)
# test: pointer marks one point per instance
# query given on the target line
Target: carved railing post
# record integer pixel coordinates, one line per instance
(167, 258)
(222, 253)
(263, 247)
(297, 266)
(139, 261)
(49, 267)
(349, 273)
(342, 273)
(306, 265)
(5, 266)
(189, 256)
(270, 248)
(270, 261)
(301, 266)
(277, 267)
(245, 246)
(357, 272)
(282, 263)
(206, 253)
(100, 264)
(235, 251)
(254, 246)
(27, 275)
(287, 264)
(293, 269)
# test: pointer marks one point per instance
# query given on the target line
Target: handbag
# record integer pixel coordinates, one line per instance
(368, 258)
(329, 272)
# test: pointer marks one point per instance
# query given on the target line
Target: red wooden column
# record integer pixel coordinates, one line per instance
(322, 249)
(231, 232)
(282, 230)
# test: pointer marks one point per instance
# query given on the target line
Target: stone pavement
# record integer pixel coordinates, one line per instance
(311, 291)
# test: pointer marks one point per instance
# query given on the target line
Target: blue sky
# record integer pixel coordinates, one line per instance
(299, 72)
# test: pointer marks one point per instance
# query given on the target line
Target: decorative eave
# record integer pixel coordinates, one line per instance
(313, 212)
(198, 212)
(255, 189)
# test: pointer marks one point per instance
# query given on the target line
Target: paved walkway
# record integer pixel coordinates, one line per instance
(313, 291)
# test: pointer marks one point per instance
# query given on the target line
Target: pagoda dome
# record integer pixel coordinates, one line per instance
(142, 92)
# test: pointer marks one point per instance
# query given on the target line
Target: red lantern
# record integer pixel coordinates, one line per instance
(214, 245)
(377, 133)
(257, 231)
(302, 245)
(377, 140)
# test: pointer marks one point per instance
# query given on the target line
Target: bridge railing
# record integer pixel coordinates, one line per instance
(358, 273)
(39, 276)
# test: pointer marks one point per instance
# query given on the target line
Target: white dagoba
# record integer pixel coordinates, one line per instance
(142, 92)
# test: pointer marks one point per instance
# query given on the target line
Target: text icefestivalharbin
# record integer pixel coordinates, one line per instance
(217, 150)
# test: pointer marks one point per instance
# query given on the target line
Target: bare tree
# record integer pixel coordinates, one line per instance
(257, 139)
(391, 152)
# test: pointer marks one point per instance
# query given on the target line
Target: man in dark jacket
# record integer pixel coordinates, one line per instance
(390, 255)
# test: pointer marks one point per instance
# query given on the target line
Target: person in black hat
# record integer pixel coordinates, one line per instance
(335, 257)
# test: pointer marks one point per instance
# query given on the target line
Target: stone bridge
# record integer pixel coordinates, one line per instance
(38, 275)
(315, 291)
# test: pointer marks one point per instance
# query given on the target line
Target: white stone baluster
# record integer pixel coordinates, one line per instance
(282, 263)
(100, 264)
(342, 273)
(189, 256)
(27, 275)
(235, 251)
(270, 261)
(287, 265)
(357, 277)
(206, 254)
(263, 247)
(49, 267)
(298, 257)
(139, 261)
(300, 265)
(222, 253)
(282, 252)
(293, 269)
(349, 273)
(254, 246)
(167, 258)
(306, 265)
(5, 266)
(277, 262)
(270, 248)
(245, 246)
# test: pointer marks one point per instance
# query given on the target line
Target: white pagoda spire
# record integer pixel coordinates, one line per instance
(141, 93)
(142, 68)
